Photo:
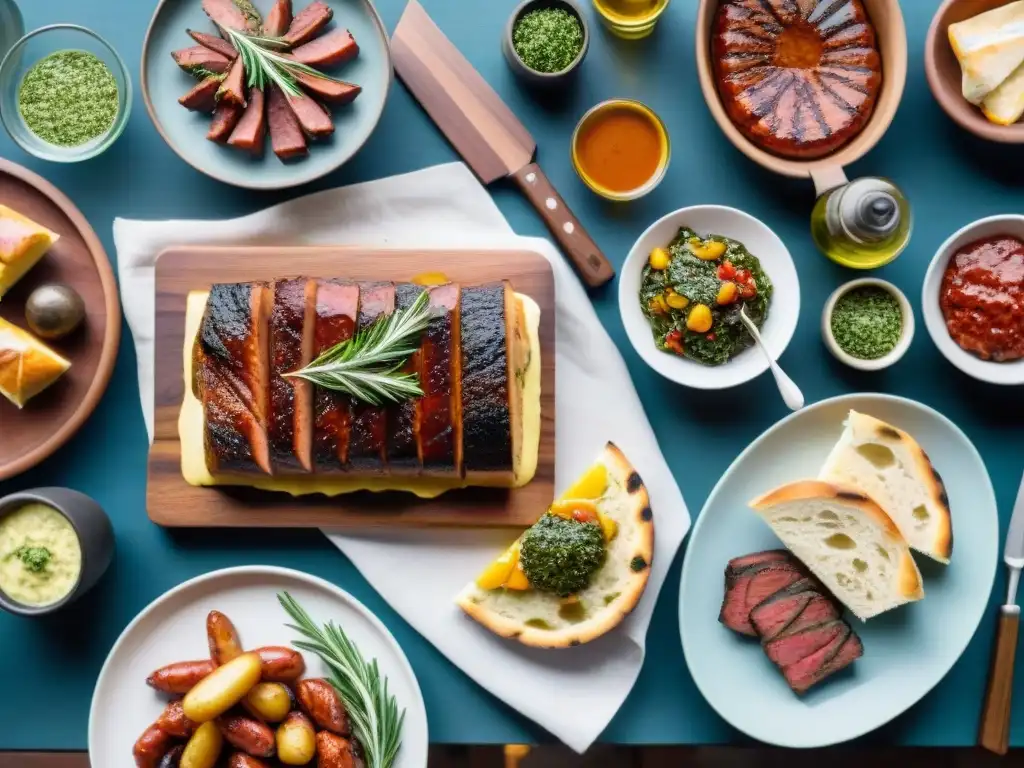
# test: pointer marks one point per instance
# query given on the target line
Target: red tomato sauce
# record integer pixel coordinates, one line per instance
(982, 298)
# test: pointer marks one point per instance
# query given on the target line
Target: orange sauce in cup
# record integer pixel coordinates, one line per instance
(620, 149)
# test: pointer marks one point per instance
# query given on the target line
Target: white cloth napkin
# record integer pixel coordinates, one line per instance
(419, 572)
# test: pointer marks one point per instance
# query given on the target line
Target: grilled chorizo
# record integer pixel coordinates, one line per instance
(242, 760)
(173, 758)
(152, 745)
(181, 676)
(222, 638)
(280, 664)
(250, 736)
(173, 721)
(332, 751)
(321, 702)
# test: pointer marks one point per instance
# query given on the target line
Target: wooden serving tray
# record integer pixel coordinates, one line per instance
(172, 502)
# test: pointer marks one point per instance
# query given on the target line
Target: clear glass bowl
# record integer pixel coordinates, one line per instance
(31, 49)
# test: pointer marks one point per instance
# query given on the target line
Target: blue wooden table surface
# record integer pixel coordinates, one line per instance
(50, 665)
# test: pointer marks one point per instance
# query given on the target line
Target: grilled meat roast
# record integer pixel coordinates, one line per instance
(798, 78)
(771, 595)
(471, 365)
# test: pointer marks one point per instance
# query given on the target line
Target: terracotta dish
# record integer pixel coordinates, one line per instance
(891, 38)
(944, 76)
(77, 259)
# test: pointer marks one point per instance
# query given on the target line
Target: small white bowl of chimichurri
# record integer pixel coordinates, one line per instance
(683, 284)
(867, 324)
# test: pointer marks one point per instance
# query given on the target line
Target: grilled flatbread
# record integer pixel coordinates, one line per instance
(545, 620)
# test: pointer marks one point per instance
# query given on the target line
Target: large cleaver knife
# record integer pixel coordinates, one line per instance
(485, 132)
(994, 732)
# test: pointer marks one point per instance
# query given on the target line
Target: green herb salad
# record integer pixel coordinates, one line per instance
(691, 293)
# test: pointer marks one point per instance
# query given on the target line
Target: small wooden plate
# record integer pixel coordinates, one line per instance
(78, 259)
(172, 502)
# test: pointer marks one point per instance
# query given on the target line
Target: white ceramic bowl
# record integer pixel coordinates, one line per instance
(783, 310)
(983, 370)
(885, 361)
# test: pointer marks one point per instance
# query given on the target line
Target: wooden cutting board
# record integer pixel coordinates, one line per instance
(170, 501)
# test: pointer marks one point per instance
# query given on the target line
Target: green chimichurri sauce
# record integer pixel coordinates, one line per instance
(68, 98)
(700, 282)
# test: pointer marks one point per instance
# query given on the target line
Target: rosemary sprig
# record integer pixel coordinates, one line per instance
(372, 710)
(367, 366)
(265, 65)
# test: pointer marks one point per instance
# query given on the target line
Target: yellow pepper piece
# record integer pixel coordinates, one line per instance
(659, 259)
(498, 572)
(591, 484)
(431, 278)
(565, 507)
(657, 305)
(699, 320)
(726, 293)
(517, 580)
(708, 250)
(677, 301)
(608, 526)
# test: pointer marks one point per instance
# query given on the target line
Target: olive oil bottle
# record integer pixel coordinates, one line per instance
(630, 19)
(862, 224)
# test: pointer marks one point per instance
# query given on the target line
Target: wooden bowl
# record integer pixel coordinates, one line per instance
(944, 76)
(826, 172)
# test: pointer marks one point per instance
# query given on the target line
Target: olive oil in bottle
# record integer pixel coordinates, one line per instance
(630, 19)
(862, 224)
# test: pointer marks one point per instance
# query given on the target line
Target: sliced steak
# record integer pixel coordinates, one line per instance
(226, 14)
(215, 44)
(403, 426)
(308, 23)
(251, 131)
(819, 610)
(337, 311)
(441, 407)
(232, 90)
(368, 438)
(332, 49)
(202, 98)
(327, 89)
(200, 61)
(314, 119)
(738, 564)
(286, 136)
(792, 648)
(774, 615)
(225, 117)
(279, 19)
(819, 664)
(735, 612)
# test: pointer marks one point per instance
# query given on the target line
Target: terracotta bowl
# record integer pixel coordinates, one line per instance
(944, 78)
(826, 172)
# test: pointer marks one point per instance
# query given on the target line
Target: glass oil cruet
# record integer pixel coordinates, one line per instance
(861, 224)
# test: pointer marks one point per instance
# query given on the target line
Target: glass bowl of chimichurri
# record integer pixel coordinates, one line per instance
(65, 94)
(682, 288)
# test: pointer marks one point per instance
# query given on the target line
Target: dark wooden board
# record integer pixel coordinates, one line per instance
(78, 259)
(170, 501)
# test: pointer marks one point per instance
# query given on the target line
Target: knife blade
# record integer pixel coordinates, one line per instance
(481, 127)
(1013, 554)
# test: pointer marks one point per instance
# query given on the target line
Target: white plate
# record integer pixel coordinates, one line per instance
(783, 310)
(984, 370)
(173, 628)
(906, 651)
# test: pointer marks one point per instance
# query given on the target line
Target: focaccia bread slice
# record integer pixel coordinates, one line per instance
(890, 467)
(503, 599)
(847, 541)
(27, 365)
(23, 242)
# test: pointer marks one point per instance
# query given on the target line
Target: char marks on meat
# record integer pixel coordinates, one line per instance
(230, 377)
(200, 61)
(826, 660)
(738, 564)
(330, 50)
(402, 425)
(289, 423)
(772, 575)
(791, 647)
(441, 406)
(251, 130)
(286, 136)
(232, 90)
(308, 23)
(337, 309)
(368, 440)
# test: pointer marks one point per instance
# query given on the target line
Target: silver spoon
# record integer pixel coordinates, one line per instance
(791, 394)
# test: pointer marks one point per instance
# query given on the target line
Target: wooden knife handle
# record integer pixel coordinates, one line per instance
(590, 263)
(994, 732)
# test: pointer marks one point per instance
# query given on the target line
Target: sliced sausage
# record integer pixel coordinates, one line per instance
(180, 677)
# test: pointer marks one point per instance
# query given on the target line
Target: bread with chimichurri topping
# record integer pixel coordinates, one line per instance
(577, 572)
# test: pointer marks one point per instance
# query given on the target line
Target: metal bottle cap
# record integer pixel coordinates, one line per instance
(870, 215)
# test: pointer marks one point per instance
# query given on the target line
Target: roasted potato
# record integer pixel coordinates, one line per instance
(244, 733)
(321, 702)
(180, 677)
(332, 751)
(152, 745)
(173, 758)
(280, 664)
(203, 749)
(296, 740)
(223, 638)
(269, 701)
(173, 721)
(242, 760)
(222, 688)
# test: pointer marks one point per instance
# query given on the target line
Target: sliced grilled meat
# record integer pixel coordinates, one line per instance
(286, 137)
(441, 405)
(769, 580)
(225, 117)
(290, 420)
(820, 609)
(330, 50)
(337, 309)
(368, 438)
(314, 119)
(231, 371)
(738, 564)
(775, 614)
(214, 43)
(308, 23)
(329, 90)
(251, 131)
(226, 14)
(232, 90)
(202, 98)
(486, 315)
(792, 648)
(825, 660)
(403, 418)
(738, 601)
(279, 19)
(200, 61)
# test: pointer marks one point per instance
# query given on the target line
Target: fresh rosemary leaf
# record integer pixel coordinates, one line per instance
(368, 366)
(265, 66)
(372, 710)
